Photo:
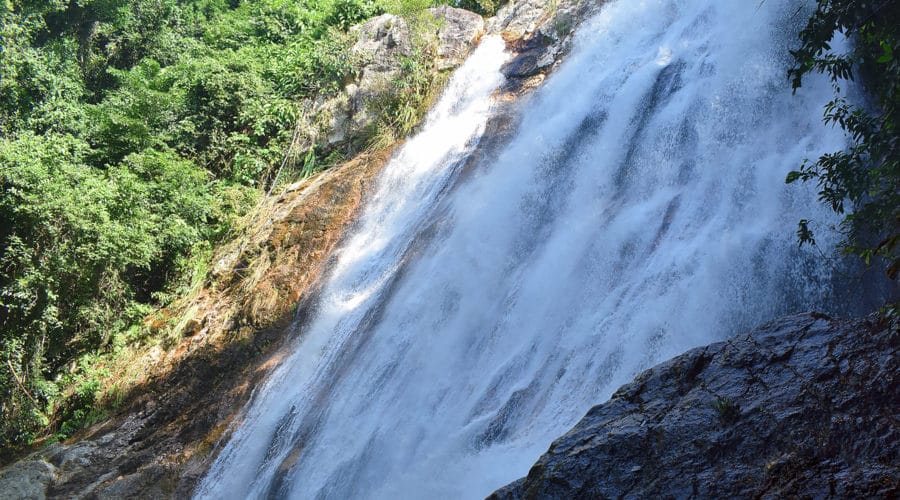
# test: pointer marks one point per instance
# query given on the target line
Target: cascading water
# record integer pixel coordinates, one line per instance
(639, 211)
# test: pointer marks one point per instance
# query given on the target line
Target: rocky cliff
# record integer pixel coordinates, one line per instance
(804, 406)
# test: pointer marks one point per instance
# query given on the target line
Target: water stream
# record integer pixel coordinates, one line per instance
(639, 210)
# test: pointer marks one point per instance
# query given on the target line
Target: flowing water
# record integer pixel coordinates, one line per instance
(639, 210)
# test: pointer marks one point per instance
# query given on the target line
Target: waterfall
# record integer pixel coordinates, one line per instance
(639, 210)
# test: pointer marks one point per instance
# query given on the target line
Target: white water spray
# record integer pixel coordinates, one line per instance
(639, 211)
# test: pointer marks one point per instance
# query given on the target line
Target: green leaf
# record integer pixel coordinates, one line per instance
(888, 53)
(804, 234)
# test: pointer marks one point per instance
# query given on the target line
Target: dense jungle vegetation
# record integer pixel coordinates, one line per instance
(135, 135)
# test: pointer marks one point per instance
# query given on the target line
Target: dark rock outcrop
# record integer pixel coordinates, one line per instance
(539, 34)
(802, 406)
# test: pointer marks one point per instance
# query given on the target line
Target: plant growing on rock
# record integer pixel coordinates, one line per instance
(727, 410)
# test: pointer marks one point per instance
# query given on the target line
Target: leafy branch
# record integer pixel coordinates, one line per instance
(863, 181)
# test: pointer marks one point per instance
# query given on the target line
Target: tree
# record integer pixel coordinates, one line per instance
(862, 182)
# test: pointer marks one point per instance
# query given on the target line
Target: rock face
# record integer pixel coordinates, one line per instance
(539, 34)
(382, 44)
(287, 247)
(803, 406)
(458, 31)
(26, 480)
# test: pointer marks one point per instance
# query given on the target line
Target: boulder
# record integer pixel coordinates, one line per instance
(26, 480)
(382, 44)
(803, 406)
(458, 32)
(539, 34)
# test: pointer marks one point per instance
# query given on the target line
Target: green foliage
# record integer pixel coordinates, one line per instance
(134, 136)
(80, 408)
(82, 247)
(727, 411)
(346, 13)
(483, 7)
(864, 180)
(400, 107)
(409, 10)
(40, 88)
(310, 165)
(317, 67)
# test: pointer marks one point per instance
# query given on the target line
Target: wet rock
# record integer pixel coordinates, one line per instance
(153, 482)
(533, 55)
(771, 413)
(539, 34)
(26, 480)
